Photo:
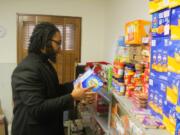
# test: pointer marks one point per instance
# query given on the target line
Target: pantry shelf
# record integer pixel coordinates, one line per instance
(107, 96)
(103, 122)
(126, 106)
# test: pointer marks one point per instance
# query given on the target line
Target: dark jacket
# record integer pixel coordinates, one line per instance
(39, 100)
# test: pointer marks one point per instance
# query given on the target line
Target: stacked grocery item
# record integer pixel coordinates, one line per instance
(131, 63)
(164, 84)
(122, 124)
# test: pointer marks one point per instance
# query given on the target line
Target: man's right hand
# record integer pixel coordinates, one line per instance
(78, 92)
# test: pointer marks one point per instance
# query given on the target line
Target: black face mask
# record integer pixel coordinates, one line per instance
(51, 54)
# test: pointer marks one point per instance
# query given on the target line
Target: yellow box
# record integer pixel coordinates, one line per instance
(170, 126)
(135, 31)
(174, 3)
(157, 5)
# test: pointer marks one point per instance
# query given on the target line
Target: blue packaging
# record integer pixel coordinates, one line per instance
(177, 132)
(167, 107)
(161, 23)
(121, 41)
(175, 25)
(174, 56)
(175, 12)
(88, 79)
(159, 57)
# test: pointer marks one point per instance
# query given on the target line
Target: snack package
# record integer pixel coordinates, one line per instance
(169, 116)
(174, 3)
(177, 124)
(174, 56)
(135, 31)
(175, 23)
(161, 23)
(150, 122)
(88, 79)
(159, 57)
(157, 5)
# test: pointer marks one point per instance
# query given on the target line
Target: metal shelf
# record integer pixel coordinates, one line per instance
(106, 95)
(103, 122)
(126, 106)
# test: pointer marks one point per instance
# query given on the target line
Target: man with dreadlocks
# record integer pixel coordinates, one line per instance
(39, 99)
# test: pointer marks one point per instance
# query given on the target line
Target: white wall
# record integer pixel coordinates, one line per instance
(91, 11)
(102, 23)
(5, 88)
(118, 12)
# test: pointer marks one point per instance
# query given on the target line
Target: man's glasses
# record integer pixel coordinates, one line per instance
(57, 42)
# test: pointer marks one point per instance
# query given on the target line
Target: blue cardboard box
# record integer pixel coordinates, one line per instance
(88, 79)
(161, 23)
(175, 23)
(159, 57)
(174, 56)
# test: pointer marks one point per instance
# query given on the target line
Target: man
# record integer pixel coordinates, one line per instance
(39, 100)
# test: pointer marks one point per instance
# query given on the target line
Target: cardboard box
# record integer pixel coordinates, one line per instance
(135, 31)
(174, 57)
(175, 23)
(159, 57)
(161, 23)
(174, 3)
(157, 5)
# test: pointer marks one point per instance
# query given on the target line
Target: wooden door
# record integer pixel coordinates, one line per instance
(25, 27)
(70, 52)
(71, 48)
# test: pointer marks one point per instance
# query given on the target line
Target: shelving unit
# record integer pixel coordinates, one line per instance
(126, 106)
(107, 96)
(103, 123)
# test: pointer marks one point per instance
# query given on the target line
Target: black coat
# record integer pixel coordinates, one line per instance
(39, 100)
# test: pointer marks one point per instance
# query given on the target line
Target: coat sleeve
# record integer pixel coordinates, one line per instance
(29, 87)
(65, 88)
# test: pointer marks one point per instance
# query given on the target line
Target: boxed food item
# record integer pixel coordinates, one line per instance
(175, 23)
(151, 122)
(135, 31)
(172, 91)
(157, 5)
(89, 79)
(174, 57)
(159, 57)
(161, 23)
(174, 3)
(170, 118)
(177, 132)
(174, 88)
(157, 94)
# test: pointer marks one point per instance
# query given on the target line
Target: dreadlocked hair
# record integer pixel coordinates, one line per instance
(41, 35)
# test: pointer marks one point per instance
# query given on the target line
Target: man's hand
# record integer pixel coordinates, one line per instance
(89, 97)
(79, 93)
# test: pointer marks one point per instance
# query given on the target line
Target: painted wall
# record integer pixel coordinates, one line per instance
(102, 23)
(91, 11)
(118, 12)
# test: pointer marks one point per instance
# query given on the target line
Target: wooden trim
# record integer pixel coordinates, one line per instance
(26, 14)
(17, 37)
(80, 38)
